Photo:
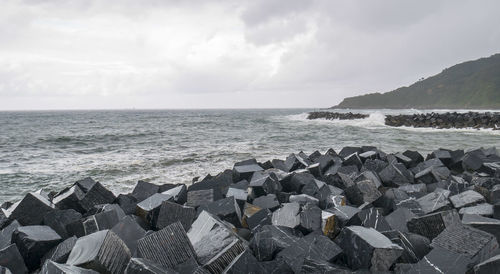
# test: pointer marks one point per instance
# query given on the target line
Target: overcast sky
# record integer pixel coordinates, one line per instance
(70, 54)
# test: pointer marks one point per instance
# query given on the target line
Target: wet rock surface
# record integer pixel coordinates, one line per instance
(446, 120)
(360, 210)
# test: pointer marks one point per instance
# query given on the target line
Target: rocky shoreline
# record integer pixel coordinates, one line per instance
(357, 210)
(487, 120)
(335, 115)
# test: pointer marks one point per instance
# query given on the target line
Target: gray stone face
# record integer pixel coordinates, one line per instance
(270, 240)
(11, 258)
(287, 216)
(399, 218)
(178, 193)
(433, 224)
(435, 201)
(33, 242)
(362, 192)
(484, 209)
(303, 199)
(51, 267)
(145, 266)
(214, 242)
(101, 251)
(467, 198)
(60, 253)
(23, 211)
(144, 190)
(58, 219)
(130, 232)
(489, 225)
(489, 266)
(6, 234)
(395, 175)
(269, 201)
(415, 246)
(196, 198)
(226, 209)
(149, 208)
(170, 213)
(367, 248)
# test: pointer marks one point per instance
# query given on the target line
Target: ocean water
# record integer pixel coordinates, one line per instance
(52, 149)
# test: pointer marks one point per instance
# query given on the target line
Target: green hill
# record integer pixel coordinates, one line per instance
(469, 85)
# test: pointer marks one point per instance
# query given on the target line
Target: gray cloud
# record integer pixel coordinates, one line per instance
(65, 54)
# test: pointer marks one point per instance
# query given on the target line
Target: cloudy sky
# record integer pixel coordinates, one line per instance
(72, 54)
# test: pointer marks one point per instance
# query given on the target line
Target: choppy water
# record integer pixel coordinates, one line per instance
(51, 149)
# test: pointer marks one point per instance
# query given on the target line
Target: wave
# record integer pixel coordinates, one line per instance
(374, 120)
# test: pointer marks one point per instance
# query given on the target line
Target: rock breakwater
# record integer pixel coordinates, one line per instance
(446, 120)
(335, 115)
(334, 212)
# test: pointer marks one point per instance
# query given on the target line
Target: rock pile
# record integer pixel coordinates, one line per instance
(335, 115)
(446, 120)
(357, 210)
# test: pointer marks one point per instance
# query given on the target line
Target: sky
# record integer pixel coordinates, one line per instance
(121, 54)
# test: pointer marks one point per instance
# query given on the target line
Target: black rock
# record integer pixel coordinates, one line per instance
(248, 211)
(11, 258)
(484, 209)
(4, 220)
(472, 162)
(149, 208)
(108, 207)
(245, 172)
(438, 261)
(227, 209)
(85, 184)
(294, 162)
(101, 251)
(432, 225)
(311, 265)
(395, 198)
(172, 212)
(51, 267)
(215, 244)
(353, 160)
(24, 211)
(345, 214)
(33, 242)
(145, 266)
(362, 192)
(494, 194)
(143, 190)
(241, 195)
(244, 263)
(435, 201)
(368, 155)
(303, 199)
(415, 157)
(443, 155)
(366, 248)
(372, 217)
(270, 240)
(130, 232)
(489, 225)
(58, 219)
(269, 201)
(395, 175)
(264, 182)
(415, 246)
(60, 253)
(6, 234)
(259, 219)
(473, 243)
(70, 199)
(375, 165)
(297, 182)
(490, 266)
(398, 218)
(313, 246)
(276, 267)
(288, 215)
(93, 223)
(346, 151)
(414, 190)
(467, 198)
(325, 162)
(196, 198)
(97, 194)
(496, 211)
(168, 247)
(179, 194)
(310, 219)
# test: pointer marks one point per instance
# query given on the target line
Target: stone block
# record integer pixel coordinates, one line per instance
(244, 263)
(398, 219)
(196, 198)
(145, 266)
(226, 209)
(489, 225)
(484, 209)
(51, 267)
(310, 219)
(366, 248)
(215, 244)
(303, 199)
(144, 190)
(178, 193)
(270, 240)
(33, 242)
(60, 253)
(172, 212)
(97, 194)
(435, 201)
(288, 215)
(264, 182)
(362, 192)
(345, 214)
(415, 246)
(395, 175)
(269, 201)
(130, 232)
(58, 219)
(102, 251)
(24, 211)
(433, 224)
(127, 202)
(489, 266)
(6, 234)
(245, 172)
(467, 198)
(11, 258)
(149, 208)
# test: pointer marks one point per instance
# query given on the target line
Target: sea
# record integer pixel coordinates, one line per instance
(52, 149)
